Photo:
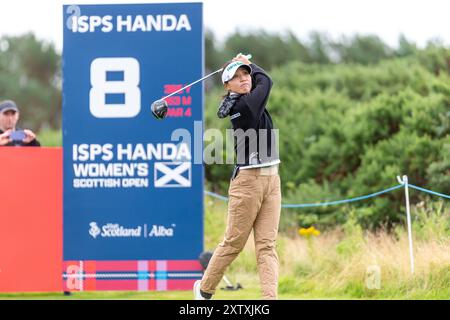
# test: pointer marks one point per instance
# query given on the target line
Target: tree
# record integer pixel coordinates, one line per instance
(30, 75)
(362, 49)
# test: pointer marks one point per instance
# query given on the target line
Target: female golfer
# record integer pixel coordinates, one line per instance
(254, 193)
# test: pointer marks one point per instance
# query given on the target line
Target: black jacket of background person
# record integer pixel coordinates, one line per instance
(249, 112)
(33, 143)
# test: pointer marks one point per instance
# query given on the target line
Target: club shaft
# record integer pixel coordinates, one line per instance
(191, 84)
(249, 56)
(228, 282)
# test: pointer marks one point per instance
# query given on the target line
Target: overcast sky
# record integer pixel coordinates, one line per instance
(418, 20)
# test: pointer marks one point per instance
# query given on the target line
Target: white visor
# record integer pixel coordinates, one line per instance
(230, 70)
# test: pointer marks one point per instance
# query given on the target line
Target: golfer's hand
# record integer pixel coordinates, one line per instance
(4, 137)
(242, 58)
(29, 136)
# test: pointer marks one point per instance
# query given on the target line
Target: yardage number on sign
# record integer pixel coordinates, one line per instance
(127, 85)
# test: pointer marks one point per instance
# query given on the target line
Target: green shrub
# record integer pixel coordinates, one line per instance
(348, 130)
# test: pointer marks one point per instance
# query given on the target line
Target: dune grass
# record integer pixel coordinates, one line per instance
(338, 263)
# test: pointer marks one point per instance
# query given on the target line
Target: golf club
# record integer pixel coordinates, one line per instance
(204, 259)
(159, 107)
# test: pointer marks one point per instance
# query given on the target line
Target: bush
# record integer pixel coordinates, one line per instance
(349, 130)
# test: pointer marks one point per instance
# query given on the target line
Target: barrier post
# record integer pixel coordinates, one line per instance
(404, 181)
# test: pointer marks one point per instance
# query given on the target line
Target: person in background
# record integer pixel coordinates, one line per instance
(10, 135)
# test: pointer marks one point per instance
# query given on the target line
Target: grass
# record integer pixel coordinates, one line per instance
(334, 265)
(248, 294)
(337, 263)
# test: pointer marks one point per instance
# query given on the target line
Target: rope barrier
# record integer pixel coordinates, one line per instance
(306, 205)
(330, 203)
(429, 191)
(215, 195)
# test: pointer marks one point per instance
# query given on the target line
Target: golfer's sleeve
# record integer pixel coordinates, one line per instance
(256, 100)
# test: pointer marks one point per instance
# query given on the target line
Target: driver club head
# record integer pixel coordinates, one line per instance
(159, 109)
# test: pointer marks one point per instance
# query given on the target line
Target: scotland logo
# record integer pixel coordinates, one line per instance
(95, 230)
(173, 174)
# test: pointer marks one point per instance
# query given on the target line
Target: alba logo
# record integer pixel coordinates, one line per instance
(95, 230)
(161, 231)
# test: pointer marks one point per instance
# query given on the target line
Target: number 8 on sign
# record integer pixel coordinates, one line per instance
(115, 89)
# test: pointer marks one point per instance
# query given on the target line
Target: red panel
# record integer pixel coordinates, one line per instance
(119, 285)
(120, 266)
(181, 265)
(180, 284)
(30, 219)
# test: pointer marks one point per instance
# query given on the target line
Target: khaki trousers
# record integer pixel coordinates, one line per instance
(254, 203)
